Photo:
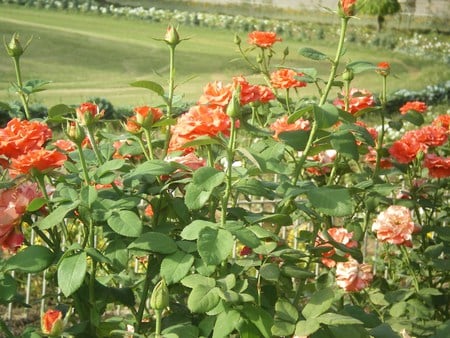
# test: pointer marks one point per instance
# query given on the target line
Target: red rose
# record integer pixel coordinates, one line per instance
(438, 167)
(417, 106)
(406, 149)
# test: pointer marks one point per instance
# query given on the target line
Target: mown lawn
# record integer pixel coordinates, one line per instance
(87, 55)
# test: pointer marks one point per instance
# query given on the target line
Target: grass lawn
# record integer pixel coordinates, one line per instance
(87, 55)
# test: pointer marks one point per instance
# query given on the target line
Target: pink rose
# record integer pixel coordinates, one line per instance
(352, 276)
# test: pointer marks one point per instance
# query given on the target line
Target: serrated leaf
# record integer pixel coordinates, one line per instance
(154, 242)
(337, 319)
(191, 231)
(305, 328)
(214, 245)
(313, 54)
(320, 302)
(71, 272)
(176, 266)
(203, 298)
(332, 201)
(153, 86)
(32, 259)
(361, 66)
(226, 322)
(125, 223)
(56, 216)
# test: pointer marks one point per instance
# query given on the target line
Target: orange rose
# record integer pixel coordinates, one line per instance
(65, 145)
(52, 323)
(358, 99)
(19, 137)
(251, 93)
(282, 125)
(417, 106)
(394, 225)
(438, 167)
(198, 121)
(371, 159)
(442, 121)
(263, 39)
(352, 276)
(216, 94)
(324, 159)
(40, 159)
(285, 78)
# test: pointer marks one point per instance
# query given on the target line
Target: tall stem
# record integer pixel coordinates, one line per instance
(230, 156)
(90, 135)
(379, 146)
(170, 96)
(23, 96)
(323, 98)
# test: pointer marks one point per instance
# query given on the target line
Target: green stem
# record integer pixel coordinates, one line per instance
(409, 267)
(158, 323)
(170, 95)
(142, 145)
(90, 135)
(288, 106)
(380, 140)
(23, 96)
(148, 138)
(323, 99)
(83, 164)
(144, 295)
(230, 156)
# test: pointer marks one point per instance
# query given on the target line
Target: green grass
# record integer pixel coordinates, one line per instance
(86, 55)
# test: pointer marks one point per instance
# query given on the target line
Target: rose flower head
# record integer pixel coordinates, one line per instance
(286, 78)
(52, 323)
(282, 125)
(383, 68)
(347, 7)
(353, 276)
(263, 39)
(438, 167)
(88, 113)
(417, 106)
(358, 99)
(339, 235)
(394, 225)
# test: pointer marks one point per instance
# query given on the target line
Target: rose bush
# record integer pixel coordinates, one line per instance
(147, 212)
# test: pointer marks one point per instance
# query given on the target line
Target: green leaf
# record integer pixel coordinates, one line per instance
(270, 272)
(254, 187)
(36, 204)
(202, 141)
(297, 139)
(125, 223)
(154, 168)
(383, 331)
(176, 266)
(154, 242)
(5, 106)
(332, 201)
(296, 272)
(204, 180)
(192, 281)
(320, 302)
(181, 330)
(326, 116)
(153, 86)
(414, 117)
(56, 216)
(56, 113)
(8, 285)
(109, 166)
(244, 235)
(226, 322)
(285, 311)
(203, 298)
(361, 66)
(34, 86)
(345, 143)
(398, 309)
(313, 54)
(337, 319)
(306, 327)
(260, 318)
(192, 231)
(117, 253)
(278, 219)
(88, 195)
(98, 256)
(281, 328)
(214, 245)
(71, 272)
(32, 259)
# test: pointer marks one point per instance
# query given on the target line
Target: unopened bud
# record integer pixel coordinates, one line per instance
(14, 48)
(237, 39)
(172, 38)
(75, 133)
(159, 299)
(348, 75)
(52, 323)
(234, 106)
(286, 51)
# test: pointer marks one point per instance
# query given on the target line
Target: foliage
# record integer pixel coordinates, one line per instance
(366, 216)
